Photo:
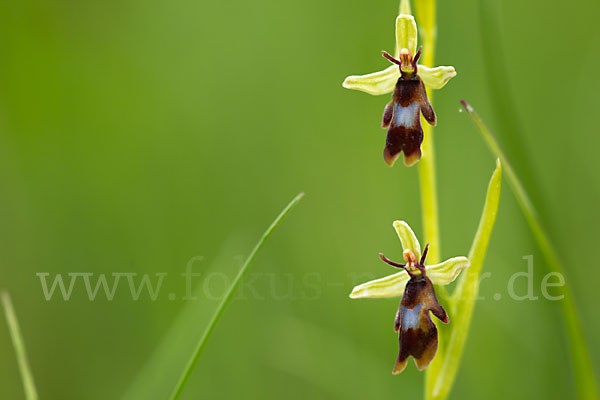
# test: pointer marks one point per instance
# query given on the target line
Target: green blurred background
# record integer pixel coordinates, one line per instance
(135, 135)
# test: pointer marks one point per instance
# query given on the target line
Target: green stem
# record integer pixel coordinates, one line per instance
(227, 298)
(19, 345)
(429, 204)
(425, 10)
(584, 370)
(425, 13)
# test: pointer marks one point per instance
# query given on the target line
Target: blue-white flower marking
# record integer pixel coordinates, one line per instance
(410, 317)
(406, 116)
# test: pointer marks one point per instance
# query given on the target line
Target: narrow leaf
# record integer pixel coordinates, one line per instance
(462, 302)
(19, 345)
(226, 299)
(501, 94)
(584, 371)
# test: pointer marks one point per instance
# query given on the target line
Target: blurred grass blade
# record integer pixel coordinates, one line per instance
(19, 344)
(500, 90)
(225, 301)
(584, 371)
(462, 302)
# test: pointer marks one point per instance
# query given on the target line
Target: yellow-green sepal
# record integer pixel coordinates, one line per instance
(406, 33)
(376, 83)
(435, 78)
(389, 286)
(408, 238)
(447, 271)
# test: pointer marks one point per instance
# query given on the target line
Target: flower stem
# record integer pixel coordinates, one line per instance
(425, 10)
(425, 14)
(429, 205)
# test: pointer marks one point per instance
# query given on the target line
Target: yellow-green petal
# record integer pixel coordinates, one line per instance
(377, 83)
(406, 33)
(446, 272)
(436, 78)
(408, 238)
(389, 286)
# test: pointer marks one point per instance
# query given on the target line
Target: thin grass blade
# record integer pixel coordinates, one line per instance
(225, 301)
(585, 377)
(501, 94)
(19, 345)
(462, 302)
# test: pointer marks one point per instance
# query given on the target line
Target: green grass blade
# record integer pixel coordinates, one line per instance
(584, 371)
(225, 301)
(19, 345)
(462, 302)
(500, 92)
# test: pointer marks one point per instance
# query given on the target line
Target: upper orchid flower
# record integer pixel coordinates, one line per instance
(409, 101)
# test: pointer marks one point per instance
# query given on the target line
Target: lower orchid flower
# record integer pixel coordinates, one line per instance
(417, 332)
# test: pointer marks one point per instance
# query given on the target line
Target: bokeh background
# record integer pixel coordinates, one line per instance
(136, 135)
